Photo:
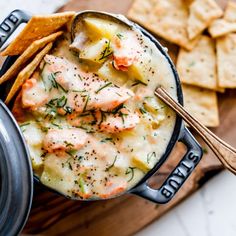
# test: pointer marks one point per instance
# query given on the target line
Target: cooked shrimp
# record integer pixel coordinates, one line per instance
(66, 139)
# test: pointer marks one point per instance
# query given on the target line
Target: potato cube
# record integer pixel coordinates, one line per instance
(108, 72)
(97, 52)
(120, 165)
(140, 161)
(57, 174)
(35, 154)
(32, 133)
(139, 70)
(150, 104)
(100, 28)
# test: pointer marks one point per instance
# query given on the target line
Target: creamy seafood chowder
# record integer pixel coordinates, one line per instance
(89, 115)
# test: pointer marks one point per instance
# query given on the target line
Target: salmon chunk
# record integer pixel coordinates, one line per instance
(66, 74)
(17, 110)
(126, 49)
(33, 93)
(64, 140)
(105, 100)
(113, 188)
(123, 120)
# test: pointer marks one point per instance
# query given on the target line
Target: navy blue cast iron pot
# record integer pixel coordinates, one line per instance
(16, 177)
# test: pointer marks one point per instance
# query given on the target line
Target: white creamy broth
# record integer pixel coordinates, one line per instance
(92, 122)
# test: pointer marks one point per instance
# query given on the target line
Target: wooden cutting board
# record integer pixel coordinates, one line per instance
(54, 215)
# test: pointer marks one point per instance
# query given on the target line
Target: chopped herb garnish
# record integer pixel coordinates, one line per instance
(78, 91)
(113, 65)
(142, 110)
(68, 144)
(150, 156)
(117, 108)
(86, 103)
(122, 115)
(137, 83)
(45, 129)
(51, 114)
(79, 77)
(58, 126)
(106, 140)
(44, 84)
(71, 153)
(57, 102)
(80, 158)
(70, 166)
(51, 103)
(84, 114)
(68, 110)
(68, 160)
(103, 117)
(61, 102)
(82, 184)
(24, 124)
(119, 94)
(104, 86)
(90, 131)
(81, 127)
(191, 64)
(106, 52)
(109, 167)
(130, 170)
(54, 83)
(119, 35)
(160, 108)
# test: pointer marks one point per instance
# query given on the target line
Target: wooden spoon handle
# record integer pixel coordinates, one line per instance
(225, 153)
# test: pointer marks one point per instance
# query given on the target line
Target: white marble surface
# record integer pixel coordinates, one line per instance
(211, 211)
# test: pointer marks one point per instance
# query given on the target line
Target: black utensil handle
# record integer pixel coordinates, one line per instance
(11, 23)
(178, 176)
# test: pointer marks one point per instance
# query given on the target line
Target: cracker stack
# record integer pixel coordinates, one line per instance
(32, 44)
(207, 38)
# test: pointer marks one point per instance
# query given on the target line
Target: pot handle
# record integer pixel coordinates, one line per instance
(11, 23)
(178, 176)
